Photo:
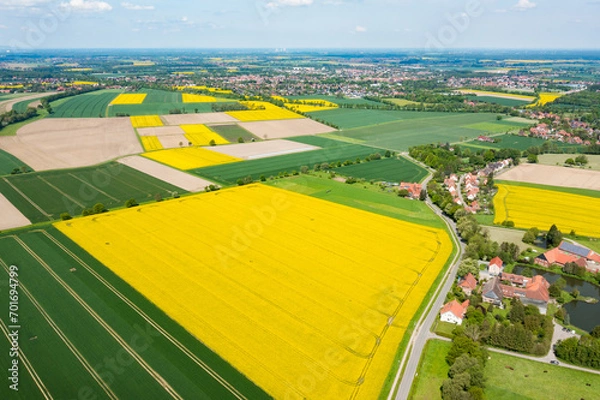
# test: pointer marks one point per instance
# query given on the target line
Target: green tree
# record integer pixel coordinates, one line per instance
(212, 143)
(131, 203)
(553, 237)
(99, 208)
(516, 315)
(65, 216)
(532, 158)
(240, 140)
(468, 265)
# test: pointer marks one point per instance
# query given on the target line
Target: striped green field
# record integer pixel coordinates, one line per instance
(350, 118)
(85, 332)
(518, 142)
(233, 132)
(43, 196)
(272, 166)
(500, 100)
(337, 100)
(88, 105)
(387, 170)
(8, 163)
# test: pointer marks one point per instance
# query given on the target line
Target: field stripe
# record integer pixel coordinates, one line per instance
(60, 191)
(141, 313)
(94, 187)
(36, 378)
(28, 199)
(65, 340)
(161, 381)
(132, 186)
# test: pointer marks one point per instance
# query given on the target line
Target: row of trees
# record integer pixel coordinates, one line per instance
(584, 351)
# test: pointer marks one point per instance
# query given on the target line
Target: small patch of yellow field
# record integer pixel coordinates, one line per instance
(146, 121)
(546, 98)
(151, 143)
(201, 135)
(11, 86)
(197, 98)
(84, 83)
(190, 157)
(262, 111)
(530, 207)
(209, 89)
(307, 298)
(129, 98)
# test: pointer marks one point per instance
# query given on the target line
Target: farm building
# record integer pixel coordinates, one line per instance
(569, 253)
(414, 189)
(454, 312)
(492, 292)
(528, 290)
(495, 266)
(468, 284)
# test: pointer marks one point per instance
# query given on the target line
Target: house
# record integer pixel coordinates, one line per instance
(495, 266)
(492, 292)
(414, 189)
(454, 312)
(569, 253)
(468, 284)
(528, 290)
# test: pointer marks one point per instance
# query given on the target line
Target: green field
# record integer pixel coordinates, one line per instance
(524, 380)
(84, 330)
(160, 102)
(8, 163)
(338, 100)
(43, 196)
(401, 102)
(559, 159)
(22, 106)
(423, 128)
(349, 118)
(499, 100)
(233, 132)
(88, 105)
(365, 197)
(518, 142)
(387, 170)
(272, 166)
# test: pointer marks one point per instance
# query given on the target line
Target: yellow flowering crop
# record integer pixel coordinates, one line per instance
(530, 207)
(129, 98)
(151, 143)
(262, 111)
(201, 135)
(190, 157)
(197, 98)
(547, 98)
(84, 83)
(307, 298)
(146, 121)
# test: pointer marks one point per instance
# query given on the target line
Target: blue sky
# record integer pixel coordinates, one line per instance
(300, 24)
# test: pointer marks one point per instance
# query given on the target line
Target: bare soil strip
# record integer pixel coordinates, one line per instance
(173, 141)
(10, 216)
(251, 151)
(7, 105)
(72, 142)
(553, 176)
(161, 131)
(167, 174)
(207, 118)
(286, 128)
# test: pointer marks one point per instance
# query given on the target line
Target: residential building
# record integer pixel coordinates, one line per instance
(468, 284)
(454, 312)
(496, 266)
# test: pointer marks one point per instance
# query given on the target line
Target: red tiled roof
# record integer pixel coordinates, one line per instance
(555, 256)
(468, 282)
(497, 261)
(455, 308)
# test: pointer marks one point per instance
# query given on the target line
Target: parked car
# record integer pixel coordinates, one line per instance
(555, 362)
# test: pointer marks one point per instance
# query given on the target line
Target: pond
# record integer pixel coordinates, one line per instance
(583, 315)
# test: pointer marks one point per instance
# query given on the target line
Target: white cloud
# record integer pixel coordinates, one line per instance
(3, 27)
(22, 4)
(87, 5)
(360, 29)
(136, 7)
(288, 3)
(524, 5)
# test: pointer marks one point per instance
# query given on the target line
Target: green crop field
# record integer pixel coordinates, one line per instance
(508, 378)
(85, 331)
(349, 118)
(338, 100)
(423, 128)
(499, 100)
(388, 170)
(365, 197)
(272, 166)
(493, 127)
(88, 105)
(8, 163)
(43, 196)
(519, 142)
(233, 132)
(161, 102)
(22, 106)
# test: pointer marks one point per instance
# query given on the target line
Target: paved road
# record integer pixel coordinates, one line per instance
(410, 361)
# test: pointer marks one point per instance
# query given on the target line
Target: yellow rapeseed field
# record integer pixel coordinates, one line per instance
(307, 105)
(151, 143)
(201, 135)
(190, 157)
(307, 298)
(146, 121)
(531, 207)
(547, 98)
(262, 111)
(197, 98)
(129, 98)
(84, 83)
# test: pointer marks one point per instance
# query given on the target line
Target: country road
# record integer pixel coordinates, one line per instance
(410, 361)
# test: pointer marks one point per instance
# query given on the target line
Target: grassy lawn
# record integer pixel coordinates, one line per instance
(432, 372)
(483, 219)
(559, 159)
(518, 142)
(509, 378)
(365, 197)
(444, 328)
(386, 170)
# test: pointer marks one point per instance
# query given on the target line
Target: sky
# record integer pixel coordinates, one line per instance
(388, 24)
